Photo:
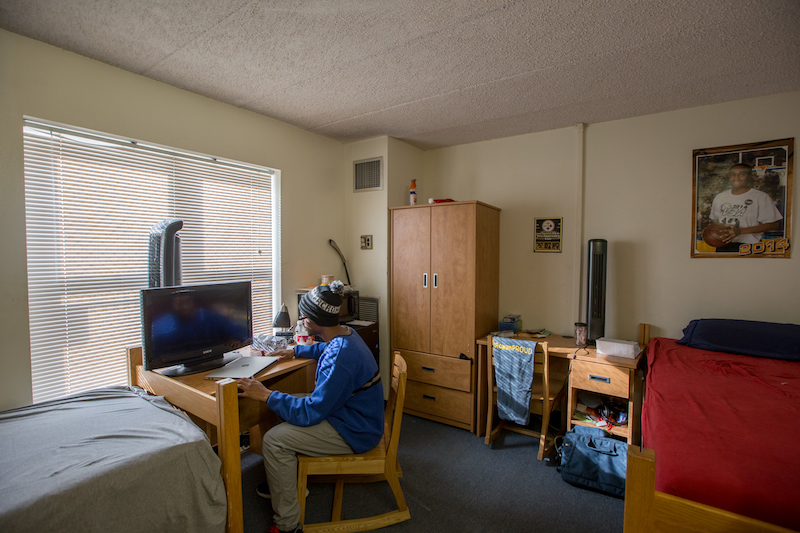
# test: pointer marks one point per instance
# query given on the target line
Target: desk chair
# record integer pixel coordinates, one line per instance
(547, 391)
(378, 464)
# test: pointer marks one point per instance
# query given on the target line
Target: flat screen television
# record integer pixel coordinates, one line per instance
(190, 328)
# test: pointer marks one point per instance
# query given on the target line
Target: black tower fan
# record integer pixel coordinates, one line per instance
(596, 304)
(164, 264)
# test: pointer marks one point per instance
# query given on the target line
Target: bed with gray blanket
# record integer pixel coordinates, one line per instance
(110, 459)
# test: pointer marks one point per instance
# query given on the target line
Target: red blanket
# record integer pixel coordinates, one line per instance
(726, 430)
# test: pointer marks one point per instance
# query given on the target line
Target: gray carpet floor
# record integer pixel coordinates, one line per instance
(452, 481)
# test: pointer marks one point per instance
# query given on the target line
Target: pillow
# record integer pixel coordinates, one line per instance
(744, 337)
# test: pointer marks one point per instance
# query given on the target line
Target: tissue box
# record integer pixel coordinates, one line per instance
(618, 348)
(509, 326)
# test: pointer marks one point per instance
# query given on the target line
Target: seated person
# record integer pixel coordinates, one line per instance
(343, 415)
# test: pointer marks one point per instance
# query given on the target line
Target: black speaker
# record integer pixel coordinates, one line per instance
(596, 298)
(164, 262)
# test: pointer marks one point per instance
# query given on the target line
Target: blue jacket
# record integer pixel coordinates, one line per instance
(344, 365)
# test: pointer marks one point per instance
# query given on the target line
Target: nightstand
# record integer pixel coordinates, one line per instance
(609, 376)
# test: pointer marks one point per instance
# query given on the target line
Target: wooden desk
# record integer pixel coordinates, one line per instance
(584, 361)
(216, 407)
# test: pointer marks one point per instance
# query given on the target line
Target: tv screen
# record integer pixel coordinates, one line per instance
(191, 327)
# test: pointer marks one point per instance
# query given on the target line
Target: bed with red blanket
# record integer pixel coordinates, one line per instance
(725, 427)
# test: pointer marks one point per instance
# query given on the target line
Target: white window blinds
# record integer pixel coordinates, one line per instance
(90, 200)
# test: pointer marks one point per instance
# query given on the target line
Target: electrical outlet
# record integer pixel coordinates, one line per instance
(366, 242)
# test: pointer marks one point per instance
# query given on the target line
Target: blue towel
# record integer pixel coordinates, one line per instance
(513, 369)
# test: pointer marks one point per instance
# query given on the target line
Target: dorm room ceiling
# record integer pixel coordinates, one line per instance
(436, 72)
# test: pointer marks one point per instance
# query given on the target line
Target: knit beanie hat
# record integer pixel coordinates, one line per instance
(321, 304)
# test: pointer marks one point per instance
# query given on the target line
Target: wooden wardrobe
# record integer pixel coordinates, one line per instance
(444, 295)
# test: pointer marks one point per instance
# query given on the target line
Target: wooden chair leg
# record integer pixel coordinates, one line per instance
(489, 422)
(492, 433)
(302, 485)
(394, 483)
(338, 497)
(543, 433)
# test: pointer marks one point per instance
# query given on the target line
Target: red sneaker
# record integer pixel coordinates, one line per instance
(274, 529)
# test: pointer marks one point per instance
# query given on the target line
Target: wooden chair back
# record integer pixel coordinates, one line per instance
(547, 390)
(393, 416)
(378, 464)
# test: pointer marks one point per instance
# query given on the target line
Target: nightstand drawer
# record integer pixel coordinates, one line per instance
(603, 379)
(439, 370)
(439, 401)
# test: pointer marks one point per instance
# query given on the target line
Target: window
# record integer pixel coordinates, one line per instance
(90, 200)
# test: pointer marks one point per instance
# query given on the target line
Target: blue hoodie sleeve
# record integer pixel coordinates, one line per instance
(313, 351)
(334, 387)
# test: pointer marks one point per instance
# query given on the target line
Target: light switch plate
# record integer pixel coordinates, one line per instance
(366, 242)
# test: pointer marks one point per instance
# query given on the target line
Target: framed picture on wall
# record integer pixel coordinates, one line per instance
(548, 235)
(742, 200)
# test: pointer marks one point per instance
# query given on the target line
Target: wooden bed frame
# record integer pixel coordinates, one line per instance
(215, 407)
(650, 511)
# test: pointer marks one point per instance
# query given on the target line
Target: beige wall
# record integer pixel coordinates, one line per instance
(45, 82)
(639, 197)
(627, 181)
(637, 194)
(367, 214)
(528, 176)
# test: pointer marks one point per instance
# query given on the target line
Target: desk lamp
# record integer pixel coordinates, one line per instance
(283, 321)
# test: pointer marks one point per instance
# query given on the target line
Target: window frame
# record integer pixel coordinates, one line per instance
(220, 193)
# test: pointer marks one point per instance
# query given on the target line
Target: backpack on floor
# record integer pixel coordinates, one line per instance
(592, 459)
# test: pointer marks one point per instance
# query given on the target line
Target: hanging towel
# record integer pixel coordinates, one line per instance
(513, 368)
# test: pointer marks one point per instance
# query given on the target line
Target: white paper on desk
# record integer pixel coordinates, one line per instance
(359, 323)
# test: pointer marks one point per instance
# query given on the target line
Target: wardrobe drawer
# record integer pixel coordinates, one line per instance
(603, 379)
(439, 401)
(439, 370)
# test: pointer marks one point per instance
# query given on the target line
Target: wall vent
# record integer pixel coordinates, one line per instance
(368, 308)
(367, 174)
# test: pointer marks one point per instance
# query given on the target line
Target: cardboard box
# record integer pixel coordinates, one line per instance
(618, 348)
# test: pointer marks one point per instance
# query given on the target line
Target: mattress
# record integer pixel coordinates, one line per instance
(110, 459)
(725, 429)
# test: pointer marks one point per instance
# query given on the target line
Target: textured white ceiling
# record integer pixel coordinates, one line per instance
(436, 72)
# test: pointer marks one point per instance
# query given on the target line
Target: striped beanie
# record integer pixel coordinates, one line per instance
(321, 304)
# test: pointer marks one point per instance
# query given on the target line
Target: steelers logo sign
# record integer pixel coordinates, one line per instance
(548, 225)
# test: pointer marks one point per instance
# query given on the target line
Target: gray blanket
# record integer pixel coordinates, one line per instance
(110, 459)
(513, 368)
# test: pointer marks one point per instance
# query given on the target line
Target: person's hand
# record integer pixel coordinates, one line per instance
(730, 234)
(253, 389)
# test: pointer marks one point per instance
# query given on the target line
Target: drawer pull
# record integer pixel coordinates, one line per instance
(601, 379)
(428, 369)
(429, 397)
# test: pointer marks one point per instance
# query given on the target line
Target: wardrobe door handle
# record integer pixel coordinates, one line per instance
(435, 281)
(425, 280)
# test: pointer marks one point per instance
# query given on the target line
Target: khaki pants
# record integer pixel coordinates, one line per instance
(281, 444)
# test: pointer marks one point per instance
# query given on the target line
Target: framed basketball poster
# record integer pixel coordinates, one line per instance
(548, 235)
(742, 200)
